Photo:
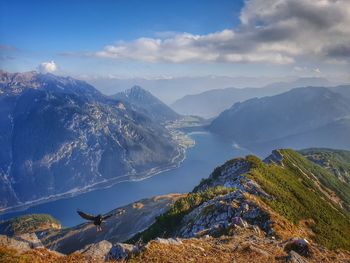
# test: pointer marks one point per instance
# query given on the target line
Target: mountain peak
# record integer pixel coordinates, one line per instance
(147, 102)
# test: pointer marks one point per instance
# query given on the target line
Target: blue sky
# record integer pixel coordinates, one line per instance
(57, 26)
(174, 38)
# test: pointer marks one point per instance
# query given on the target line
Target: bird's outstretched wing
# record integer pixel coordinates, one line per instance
(106, 216)
(86, 216)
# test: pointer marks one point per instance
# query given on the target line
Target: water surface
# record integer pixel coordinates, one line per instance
(208, 152)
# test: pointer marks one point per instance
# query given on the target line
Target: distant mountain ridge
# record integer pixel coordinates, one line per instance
(60, 135)
(147, 103)
(211, 103)
(299, 118)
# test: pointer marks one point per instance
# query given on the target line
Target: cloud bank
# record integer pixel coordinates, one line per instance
(47, 67)
(270, 31)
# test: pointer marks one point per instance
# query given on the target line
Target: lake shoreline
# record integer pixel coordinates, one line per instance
(173, 164)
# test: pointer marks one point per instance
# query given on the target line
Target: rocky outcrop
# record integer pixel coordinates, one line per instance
(106, 251)
(122, 251)
(21, 243)
(98, 251)
(222, 213)
(233, 175)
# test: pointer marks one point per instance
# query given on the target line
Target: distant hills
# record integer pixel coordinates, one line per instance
(211, 103)
(299, 118)
(59, 135)
(169, 89)
(145, 102)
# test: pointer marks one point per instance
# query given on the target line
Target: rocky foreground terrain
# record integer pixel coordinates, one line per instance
(285, 208)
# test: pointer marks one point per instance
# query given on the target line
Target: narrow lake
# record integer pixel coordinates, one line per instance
(208, 152)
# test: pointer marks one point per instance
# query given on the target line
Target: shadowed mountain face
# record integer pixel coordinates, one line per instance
(300, 118)
(144, 101)
(211, 103)
(61, 135)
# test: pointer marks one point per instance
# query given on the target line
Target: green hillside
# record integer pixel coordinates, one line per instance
(28, 223)
(335, 161)
(298, 196)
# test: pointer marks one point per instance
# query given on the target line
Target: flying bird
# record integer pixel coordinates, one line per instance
(96, 219)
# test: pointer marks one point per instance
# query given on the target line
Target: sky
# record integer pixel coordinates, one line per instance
(164, 39)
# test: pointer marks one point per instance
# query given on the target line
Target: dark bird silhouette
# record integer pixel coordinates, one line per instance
(97, 220)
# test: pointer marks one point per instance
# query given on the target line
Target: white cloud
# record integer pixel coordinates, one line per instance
(271, 31)
(47, 67)
(317, 70)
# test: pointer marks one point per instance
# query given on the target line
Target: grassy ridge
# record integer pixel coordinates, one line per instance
(335, 161)
(297, 197)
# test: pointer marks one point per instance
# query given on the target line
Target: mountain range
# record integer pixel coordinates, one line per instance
(300, 118)
(211, 103)
(59, 135)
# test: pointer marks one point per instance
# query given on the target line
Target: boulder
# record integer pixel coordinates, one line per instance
(98, 251)
(299, 245)
(105, 251)
(122, 251)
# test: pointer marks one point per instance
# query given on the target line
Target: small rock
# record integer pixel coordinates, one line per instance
(168, 241)
(294, 257)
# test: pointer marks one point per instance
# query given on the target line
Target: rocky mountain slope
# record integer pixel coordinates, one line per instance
(211, 103)
(300, 118)
(145, 102)
(285, 208)
(283, 195)
(59, 135)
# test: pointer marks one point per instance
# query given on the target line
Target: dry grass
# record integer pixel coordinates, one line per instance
(245, 247)
(174, 196)
(283, 228)
(8, 255)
